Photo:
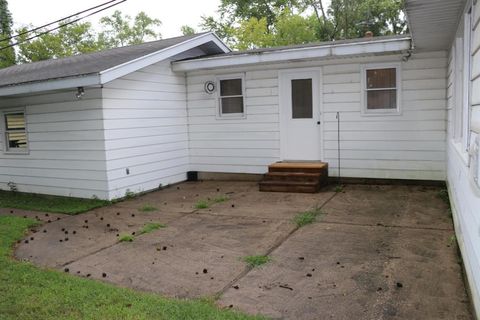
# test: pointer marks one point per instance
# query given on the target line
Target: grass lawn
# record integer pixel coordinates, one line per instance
(37, 202)
(28, 292)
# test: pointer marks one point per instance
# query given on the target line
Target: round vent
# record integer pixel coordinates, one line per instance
(209, 87)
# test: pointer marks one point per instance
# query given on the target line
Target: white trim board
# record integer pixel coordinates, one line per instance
(297, 54)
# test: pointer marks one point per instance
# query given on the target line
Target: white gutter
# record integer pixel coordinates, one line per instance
(56, 84)
(297, 54)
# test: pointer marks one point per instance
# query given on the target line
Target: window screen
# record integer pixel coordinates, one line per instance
(15, 131)
(302, 100)
(381, 88)
(231, 96)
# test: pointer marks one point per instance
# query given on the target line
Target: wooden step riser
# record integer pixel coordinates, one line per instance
(291, 178)
(288, 188)
(300, 170)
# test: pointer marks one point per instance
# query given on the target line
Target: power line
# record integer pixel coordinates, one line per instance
(57, 21)
(61, 26)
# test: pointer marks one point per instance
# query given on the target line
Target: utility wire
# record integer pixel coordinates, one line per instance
(60, 26)
(57, 21)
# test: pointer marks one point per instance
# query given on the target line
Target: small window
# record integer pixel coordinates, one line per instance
(381, 89)
(231, 97)
(15, 132)
(302, 100)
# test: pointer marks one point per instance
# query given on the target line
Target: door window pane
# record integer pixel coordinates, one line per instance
(302, 100)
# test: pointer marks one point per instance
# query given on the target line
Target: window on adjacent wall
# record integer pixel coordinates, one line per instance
(230, 98)
(381, 89)
(15, 132)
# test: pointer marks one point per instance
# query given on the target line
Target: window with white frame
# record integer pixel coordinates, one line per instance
(381, 89)
(231, 96)
(15, 131)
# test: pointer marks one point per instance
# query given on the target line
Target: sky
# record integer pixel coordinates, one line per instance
(173, 13)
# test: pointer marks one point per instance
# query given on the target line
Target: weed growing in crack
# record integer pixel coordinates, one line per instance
(202, 204)
(126, 238)
(151, 226)
(147, 208)
(256, 261)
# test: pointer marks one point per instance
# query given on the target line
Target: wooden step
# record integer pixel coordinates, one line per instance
(304, 167)
(293, 176)
(289, 186)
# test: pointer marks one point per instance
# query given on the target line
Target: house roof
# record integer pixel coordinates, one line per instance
(433, 23)
(85, 66)
(317, 50)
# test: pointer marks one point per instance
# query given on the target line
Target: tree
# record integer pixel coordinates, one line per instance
(245, 9)
(79, 37)
(352, 18)
(7, 55)
(187, 30)
(72, 39)
(256, 23)
(119, 30)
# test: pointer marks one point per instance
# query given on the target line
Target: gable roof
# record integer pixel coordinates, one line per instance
(103, 66)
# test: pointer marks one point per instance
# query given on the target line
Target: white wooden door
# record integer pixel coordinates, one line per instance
(300, 115)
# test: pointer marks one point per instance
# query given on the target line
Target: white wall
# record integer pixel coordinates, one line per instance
(145, 121)
(66, 149)
(409, 146)
(464, 195)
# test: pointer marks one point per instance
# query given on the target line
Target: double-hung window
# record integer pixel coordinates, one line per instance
(15, 131)
(231, 96)
(381, 89)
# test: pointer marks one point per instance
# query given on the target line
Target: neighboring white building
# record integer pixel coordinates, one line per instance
(140, 117)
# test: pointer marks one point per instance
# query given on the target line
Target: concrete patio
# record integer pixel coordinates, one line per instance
(376, 252)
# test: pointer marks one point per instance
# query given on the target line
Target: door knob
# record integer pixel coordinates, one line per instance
(318, 122)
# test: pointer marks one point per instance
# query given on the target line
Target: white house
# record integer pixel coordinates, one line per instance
(140, 117)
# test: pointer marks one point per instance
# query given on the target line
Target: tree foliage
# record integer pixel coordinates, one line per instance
(79, 37)
(120, 31)
(7, 55)
(72, 39)
(187, 30)
(246, 24)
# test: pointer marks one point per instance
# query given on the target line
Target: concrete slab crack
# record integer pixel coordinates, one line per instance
(270, 250)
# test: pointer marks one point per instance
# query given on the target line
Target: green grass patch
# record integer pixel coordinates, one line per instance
(126, 238)
(31, 293)
(304, 218)
(220, 199)
(151, 226)
(338, 188)
(147, 208)
(202, 204)
(37, 202)
(256, 261)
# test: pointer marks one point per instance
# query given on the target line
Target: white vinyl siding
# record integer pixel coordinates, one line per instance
(238, 145)
(66, 146)
(408, 146)
(146, 135)
(464, 194)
